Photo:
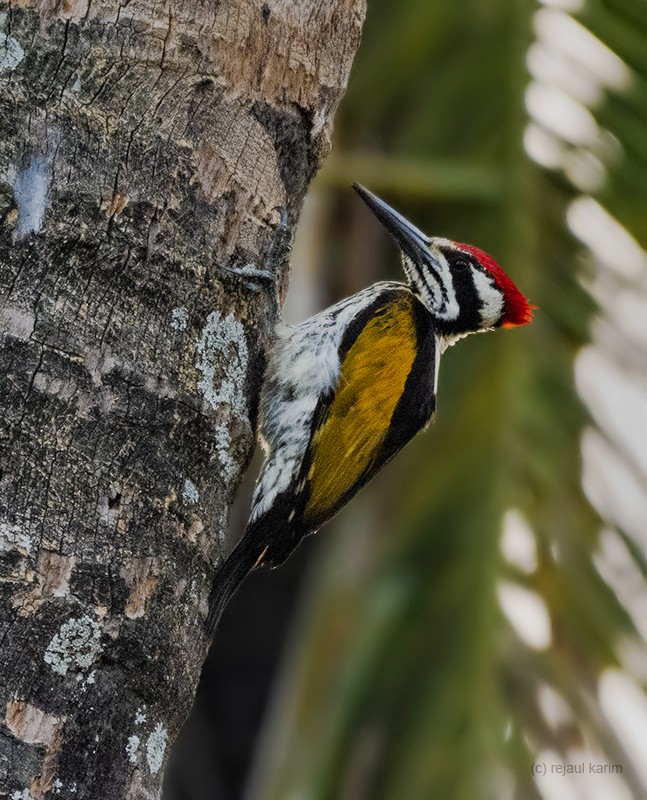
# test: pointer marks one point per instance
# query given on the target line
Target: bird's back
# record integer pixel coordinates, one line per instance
(344, 391)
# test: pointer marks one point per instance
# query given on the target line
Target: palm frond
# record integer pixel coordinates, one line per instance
(434, 658)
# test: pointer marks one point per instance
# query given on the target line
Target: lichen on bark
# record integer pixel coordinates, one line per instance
(143, 147)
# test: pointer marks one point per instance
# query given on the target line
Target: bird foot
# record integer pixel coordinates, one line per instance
(277, 255)
(251, 276)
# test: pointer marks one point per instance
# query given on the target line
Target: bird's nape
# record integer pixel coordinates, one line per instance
(517, 310)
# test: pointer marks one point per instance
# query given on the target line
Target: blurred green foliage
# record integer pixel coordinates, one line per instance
(405, 680)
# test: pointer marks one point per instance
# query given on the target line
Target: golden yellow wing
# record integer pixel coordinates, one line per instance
(348, 446)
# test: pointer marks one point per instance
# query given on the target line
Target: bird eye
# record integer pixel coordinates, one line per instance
(461, 264)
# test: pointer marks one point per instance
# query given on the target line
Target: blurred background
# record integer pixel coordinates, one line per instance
(479, 613)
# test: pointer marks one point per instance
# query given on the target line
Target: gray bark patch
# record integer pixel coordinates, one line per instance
(76, 645)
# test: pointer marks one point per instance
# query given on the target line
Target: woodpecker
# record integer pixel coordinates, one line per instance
(345, 390)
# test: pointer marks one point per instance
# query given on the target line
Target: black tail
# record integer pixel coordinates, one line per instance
(230, 574)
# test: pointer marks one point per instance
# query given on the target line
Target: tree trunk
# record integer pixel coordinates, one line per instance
(143, 147)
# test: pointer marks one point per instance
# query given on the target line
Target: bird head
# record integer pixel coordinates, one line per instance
(464, 289)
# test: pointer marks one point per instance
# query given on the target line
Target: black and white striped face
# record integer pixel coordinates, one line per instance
(458, 291)
(463, 287)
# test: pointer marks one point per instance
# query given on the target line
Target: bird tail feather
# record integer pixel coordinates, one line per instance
(230, 574)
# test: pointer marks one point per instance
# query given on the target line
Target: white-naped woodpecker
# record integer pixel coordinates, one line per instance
(345, 390)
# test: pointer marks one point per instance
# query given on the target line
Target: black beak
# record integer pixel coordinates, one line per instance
(410, 240)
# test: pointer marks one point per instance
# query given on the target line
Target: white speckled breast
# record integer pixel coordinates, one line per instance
(304, 364)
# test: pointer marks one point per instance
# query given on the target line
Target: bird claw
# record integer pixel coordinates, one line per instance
(283, 222)
(251, 276)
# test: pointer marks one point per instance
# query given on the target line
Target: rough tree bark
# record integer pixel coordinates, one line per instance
(143, 146)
